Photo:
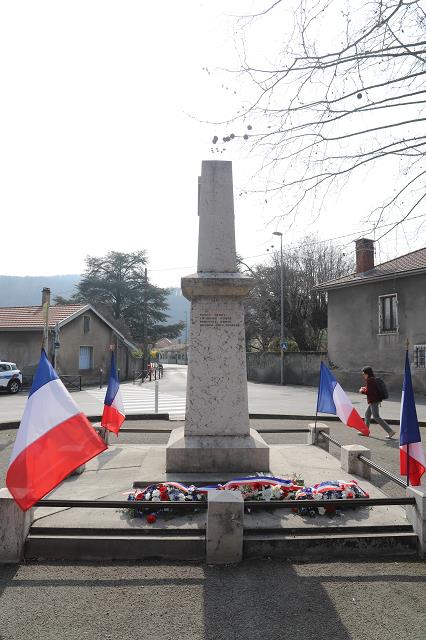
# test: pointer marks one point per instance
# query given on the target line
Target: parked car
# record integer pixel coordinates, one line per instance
(10, 377)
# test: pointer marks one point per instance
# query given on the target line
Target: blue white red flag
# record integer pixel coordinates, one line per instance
(113, 415)
(54, 438)
(332, 399)
(411, 454)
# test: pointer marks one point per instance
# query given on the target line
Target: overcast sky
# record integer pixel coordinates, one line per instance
(101, 137)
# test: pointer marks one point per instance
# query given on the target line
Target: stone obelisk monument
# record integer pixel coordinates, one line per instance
(217, 436)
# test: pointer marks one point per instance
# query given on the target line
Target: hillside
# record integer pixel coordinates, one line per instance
(17, 291)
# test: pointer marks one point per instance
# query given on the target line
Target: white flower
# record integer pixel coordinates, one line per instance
(267, 494)
(276, 491)
(321, 511)
(155, 494)
(147, 496)
(181, 497)
(155, 498)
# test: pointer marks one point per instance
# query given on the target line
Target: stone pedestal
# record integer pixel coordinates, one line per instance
(216, 454)
(351, 463)
(14, 527)
(225, 522)
(216, 436)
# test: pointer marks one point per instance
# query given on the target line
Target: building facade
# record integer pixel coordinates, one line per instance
(374, 313)
(78, 344)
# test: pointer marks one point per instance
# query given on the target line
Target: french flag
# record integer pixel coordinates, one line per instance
(332, 399)
(113, 415)
(54, 438)
(411, 455)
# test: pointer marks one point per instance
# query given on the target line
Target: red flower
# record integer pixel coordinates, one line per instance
(151, 518)
(139, 496)
(164, 496)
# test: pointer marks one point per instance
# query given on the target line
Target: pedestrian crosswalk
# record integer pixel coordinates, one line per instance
(141, 399)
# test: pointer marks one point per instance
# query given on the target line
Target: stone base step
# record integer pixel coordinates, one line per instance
(191, 545)
(315, 546)
(115, 547)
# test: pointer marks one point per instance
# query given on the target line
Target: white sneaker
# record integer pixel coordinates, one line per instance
(390, 435)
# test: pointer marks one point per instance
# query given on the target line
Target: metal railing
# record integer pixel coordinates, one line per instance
(149, 375)
(71, 382)
(368, 462)
(202, 504)
(123, 504)
(326, 436)
(382, 470)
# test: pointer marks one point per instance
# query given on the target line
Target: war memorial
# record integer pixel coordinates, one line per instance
(86, 518)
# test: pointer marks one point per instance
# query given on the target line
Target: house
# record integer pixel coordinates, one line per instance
(173, 353)
(78, 344)
(373, 312)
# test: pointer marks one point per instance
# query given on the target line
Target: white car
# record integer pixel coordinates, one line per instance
(10, 377)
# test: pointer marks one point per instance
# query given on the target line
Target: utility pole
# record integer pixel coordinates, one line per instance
(145, 316)
(278, 233)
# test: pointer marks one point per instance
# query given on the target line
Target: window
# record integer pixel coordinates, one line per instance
(86, 324)
(388, 314)
(420, 356)
(86, 358)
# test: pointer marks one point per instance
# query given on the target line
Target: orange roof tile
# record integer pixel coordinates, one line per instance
(32, 317)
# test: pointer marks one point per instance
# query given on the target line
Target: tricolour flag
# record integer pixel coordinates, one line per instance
(332, 399)
(54, 438)
(113, 415)
(411, 455)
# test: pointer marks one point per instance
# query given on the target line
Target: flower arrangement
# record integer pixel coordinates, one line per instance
(260, 487)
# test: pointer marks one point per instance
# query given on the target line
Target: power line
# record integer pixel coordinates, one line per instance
(346, 235)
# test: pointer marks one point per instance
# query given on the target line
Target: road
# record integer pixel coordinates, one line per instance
(263, 398)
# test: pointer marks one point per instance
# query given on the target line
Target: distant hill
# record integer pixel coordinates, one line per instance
(17, 291)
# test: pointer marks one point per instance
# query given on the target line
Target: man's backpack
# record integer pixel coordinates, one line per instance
(381, 388)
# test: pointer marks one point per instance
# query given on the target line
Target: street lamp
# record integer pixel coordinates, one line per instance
(278, 233)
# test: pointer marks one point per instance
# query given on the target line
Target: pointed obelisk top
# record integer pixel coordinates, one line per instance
(216, 238)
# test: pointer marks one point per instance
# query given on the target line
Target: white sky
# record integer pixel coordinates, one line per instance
(98, 151)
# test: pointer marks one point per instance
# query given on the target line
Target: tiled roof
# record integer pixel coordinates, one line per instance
(32, 317)
(413, 262)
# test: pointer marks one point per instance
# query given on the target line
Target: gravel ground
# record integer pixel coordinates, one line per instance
(257, 600)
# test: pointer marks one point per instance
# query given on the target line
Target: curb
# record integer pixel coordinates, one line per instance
(14, 424)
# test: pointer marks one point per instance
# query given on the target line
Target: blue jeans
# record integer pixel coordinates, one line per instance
(373, 408)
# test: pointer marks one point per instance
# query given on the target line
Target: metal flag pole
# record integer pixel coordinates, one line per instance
(408, 444)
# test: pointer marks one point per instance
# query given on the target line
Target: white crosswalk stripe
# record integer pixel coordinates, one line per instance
(142, 400)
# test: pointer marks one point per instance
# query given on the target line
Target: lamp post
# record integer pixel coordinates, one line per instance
(278, 233)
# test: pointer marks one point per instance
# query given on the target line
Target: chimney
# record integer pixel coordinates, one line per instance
(364, 250)
(45, 296)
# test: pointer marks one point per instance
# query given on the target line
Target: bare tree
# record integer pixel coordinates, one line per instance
(305, 310)
(344, 92)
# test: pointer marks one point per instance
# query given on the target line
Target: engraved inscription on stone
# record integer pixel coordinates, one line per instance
(216, 319)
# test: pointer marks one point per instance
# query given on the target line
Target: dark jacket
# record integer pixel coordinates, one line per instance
(371, 390)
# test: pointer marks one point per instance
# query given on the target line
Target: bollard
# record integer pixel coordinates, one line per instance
(314, 436)
(417, 516)
(14, 527)
(156, 397)
(225, 520)
(350, 462)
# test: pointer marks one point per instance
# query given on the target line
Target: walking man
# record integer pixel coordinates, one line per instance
(371, 390)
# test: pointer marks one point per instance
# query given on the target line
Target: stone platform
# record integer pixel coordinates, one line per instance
(112, 475)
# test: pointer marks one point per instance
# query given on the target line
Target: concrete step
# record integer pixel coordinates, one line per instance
(317, 546)
(115, 547)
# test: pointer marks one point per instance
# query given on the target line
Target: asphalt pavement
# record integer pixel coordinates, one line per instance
(256, 600)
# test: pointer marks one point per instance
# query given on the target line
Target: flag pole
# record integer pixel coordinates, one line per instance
(408, 444)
